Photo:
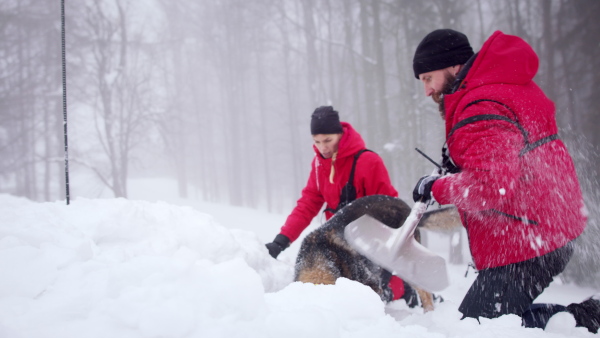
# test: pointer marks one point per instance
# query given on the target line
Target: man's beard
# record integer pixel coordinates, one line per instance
(438, 97)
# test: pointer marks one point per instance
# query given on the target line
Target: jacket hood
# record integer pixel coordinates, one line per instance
(350, 143)
(503, 59)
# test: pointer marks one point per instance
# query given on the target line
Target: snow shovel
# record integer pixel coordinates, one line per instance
(398, 251)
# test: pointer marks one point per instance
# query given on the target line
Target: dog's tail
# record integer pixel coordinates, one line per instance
(388, 210)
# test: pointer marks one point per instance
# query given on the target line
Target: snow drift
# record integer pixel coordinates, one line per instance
(122, 268)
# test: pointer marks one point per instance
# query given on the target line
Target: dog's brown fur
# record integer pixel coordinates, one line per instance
(445, 219)
(325, 255)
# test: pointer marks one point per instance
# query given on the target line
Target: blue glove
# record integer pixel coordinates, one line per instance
(422, 191)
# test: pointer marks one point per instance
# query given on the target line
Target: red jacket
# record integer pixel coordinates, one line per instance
(515, 204)
(370, 178)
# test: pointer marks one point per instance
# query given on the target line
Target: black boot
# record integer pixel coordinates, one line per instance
(587, 313)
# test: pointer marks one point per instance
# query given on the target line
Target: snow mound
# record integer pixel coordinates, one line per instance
(122, 268)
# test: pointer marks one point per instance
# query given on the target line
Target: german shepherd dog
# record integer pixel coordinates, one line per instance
(325, 256)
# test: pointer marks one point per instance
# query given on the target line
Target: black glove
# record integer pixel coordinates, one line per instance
(278, 245)
(422, 191)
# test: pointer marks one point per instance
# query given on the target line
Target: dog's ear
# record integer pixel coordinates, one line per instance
(442, 219)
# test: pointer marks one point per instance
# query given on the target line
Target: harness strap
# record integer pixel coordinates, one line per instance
(487, 117)
(493, 101)
(522, 219)
(528, 146)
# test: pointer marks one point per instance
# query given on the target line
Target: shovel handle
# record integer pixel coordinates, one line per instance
(407, 230)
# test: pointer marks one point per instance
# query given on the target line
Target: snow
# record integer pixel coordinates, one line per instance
(149, 268)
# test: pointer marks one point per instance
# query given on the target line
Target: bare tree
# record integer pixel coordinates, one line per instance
(120, 96)
(29, 98)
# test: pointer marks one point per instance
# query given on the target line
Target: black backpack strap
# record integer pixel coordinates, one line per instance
(356, 156)
(348, 193)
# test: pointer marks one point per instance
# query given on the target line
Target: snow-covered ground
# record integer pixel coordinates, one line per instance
(158, 266)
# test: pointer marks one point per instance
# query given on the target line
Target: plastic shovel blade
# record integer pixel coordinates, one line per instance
(397, 251)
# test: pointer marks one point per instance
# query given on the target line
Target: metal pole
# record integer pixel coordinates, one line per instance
(64, 84)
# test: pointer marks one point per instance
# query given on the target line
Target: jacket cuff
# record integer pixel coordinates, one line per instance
(437, 190)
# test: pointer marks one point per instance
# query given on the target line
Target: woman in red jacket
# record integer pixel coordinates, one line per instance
(336, 145)
(511, 177)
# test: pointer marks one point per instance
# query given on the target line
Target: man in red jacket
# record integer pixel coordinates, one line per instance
(336, 145)
(507, 172)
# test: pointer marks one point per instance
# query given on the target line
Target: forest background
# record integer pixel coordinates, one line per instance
(218, 94)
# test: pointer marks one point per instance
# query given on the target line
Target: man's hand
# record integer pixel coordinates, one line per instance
(278, 245)
(422, 191)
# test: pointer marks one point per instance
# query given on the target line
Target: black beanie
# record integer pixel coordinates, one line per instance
(440, 49)
(325, 120)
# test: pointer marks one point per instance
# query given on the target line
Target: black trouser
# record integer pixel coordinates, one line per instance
(511, 289)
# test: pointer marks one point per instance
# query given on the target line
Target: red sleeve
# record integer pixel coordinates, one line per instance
(371, 176)
(306, 209)
(488, 154)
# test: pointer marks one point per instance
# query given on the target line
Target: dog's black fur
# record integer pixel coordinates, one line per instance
(325, 255)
